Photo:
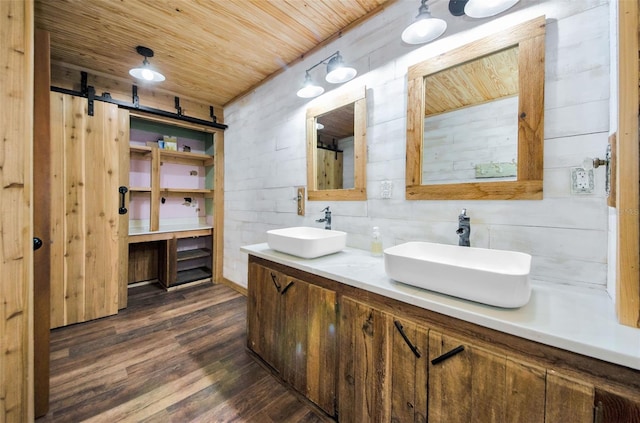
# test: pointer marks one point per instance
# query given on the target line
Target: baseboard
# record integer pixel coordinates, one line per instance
(231, 284)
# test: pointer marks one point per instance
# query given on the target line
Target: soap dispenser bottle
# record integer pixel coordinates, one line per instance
(376, 242)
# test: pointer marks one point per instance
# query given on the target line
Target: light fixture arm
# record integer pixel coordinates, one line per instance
(323, 61)
(423, 9)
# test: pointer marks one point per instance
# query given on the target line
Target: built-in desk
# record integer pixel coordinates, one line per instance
(175, 255)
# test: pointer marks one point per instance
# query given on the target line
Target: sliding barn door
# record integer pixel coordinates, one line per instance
(85, 223)
(330, 169)
(16, 198)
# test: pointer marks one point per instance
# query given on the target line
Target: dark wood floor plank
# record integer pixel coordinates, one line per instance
(169, 357)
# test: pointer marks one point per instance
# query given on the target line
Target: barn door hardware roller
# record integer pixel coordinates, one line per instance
(89, 92)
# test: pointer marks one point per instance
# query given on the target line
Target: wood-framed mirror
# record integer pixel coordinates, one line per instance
(336, 130)
(481, 156)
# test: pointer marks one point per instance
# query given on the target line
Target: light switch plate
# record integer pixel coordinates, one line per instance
(582, 181)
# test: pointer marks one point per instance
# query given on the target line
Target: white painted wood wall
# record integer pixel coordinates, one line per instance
(566, 234)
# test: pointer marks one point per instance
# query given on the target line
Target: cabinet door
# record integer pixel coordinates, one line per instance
(363, 378)
(85, 224)
(292, 327)
(471, 384)
(263, 314)
(568, 400)
(612, 408)
(322, 345)
(409, 371)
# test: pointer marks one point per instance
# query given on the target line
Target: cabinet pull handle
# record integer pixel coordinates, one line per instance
(413, 348)
(598, 414)
(275, 282)
(122, 190)
(286, 288)
(447, 355)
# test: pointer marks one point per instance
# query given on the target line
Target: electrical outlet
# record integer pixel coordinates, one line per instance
(582, 181)
(386, 189)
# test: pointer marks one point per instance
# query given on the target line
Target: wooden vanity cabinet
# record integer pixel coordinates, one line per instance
(469, 383)
(568, 399)
(400, 363)
(291, 325)
(614, 408)
(382, 366)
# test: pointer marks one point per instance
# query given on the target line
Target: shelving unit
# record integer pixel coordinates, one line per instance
(160, 179)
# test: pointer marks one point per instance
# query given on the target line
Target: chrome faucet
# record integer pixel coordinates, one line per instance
(464, 229)
(327, 218)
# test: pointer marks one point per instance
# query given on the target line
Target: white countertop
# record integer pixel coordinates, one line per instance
(574, 319)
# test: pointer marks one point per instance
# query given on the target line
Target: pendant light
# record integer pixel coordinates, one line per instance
(424, 28)
(486, 8)
(145, 72)
(337, 72)
(309, 89)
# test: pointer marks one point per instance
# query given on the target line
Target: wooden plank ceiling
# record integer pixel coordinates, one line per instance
(212, 50)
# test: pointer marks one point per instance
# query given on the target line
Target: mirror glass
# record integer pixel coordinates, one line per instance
(336, 147)
(335, 159)
(471, 121)
(475, 119)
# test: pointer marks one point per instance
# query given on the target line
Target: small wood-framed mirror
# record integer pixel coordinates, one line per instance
(473, 71)
(336, 129)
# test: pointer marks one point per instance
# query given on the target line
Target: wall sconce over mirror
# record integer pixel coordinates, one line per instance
(424, 27)
(336, 147)
(337, 73)
(475, 119)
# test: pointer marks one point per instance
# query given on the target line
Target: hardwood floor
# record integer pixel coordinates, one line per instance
(168, 357)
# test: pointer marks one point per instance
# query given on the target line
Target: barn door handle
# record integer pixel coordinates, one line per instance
(447, 355)
(275, 282)
(122, 190)
(413, 348)
(286, 288)
(37, 243)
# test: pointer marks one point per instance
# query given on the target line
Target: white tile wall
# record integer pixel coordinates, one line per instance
(567, 235)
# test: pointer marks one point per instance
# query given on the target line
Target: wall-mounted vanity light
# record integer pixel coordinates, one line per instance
(337, 73)
(486, 8)
(424, 28)
(145, 72)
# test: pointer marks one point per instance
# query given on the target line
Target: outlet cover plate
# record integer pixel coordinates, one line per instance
(386, 189)
(582, 181)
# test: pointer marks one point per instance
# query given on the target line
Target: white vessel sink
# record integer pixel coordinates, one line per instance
(306, 242)
(494, 277)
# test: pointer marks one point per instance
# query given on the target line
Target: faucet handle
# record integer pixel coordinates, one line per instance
(463, 212)
(326, 209)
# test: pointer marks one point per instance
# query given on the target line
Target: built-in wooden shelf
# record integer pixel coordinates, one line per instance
(205, 192)
(191, 275)
(193, 254)
(140, 189)
(171, 156)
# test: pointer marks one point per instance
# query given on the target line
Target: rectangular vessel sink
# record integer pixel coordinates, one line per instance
(306, 242)
(494, 277)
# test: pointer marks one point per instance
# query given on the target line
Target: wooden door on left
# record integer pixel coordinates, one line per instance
(88, 235)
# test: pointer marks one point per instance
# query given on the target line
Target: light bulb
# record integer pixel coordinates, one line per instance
(147, 74)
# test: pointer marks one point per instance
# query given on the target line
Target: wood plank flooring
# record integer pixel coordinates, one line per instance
(168, 357)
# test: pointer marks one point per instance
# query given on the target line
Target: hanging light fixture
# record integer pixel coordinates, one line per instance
(309, 89)
(145, 72)
(486, 8)
(337, 73)
(424, 28)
